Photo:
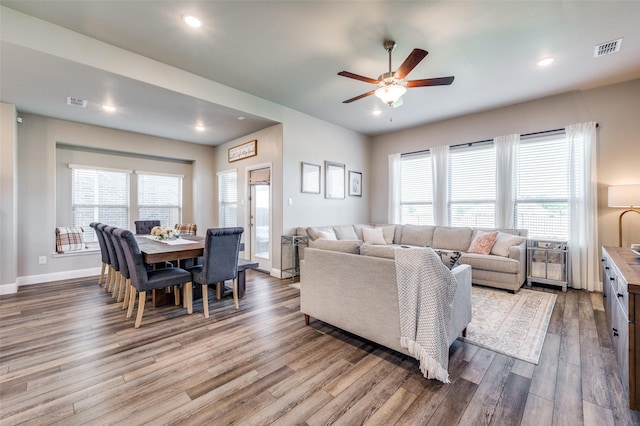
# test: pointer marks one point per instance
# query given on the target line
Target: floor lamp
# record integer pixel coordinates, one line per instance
(627, 197)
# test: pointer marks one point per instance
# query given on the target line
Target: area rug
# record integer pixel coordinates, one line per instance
(512, 324)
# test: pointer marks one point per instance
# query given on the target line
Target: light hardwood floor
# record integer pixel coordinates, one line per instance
(68, 356)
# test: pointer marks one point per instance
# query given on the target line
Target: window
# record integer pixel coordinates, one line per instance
(99, 195)
(228, 198)
(472, 186)
(160, 198)
(416, 197)
(542, 187)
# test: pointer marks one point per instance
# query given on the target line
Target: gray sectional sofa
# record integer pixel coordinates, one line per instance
(504, 267)
(359, 294)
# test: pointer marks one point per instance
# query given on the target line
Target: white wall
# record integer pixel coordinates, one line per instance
(8, 197)
(313, 141)
(614, 107)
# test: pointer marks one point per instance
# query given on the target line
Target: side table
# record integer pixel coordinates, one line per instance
(547, 262)
(290, 256)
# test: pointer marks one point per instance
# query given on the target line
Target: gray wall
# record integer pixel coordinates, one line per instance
(614, 107)
(8, 196)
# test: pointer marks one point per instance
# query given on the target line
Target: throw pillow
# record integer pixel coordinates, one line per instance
(388, 231)
(504, 242)
(327, 235)
(373, 236)
(69, 239)
(449, 257)
(483, 242)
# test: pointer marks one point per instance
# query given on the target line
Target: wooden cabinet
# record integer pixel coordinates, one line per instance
(621, 282)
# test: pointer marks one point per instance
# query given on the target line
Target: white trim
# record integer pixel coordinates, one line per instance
(225, 172)
(141, 172)
(57, 276)
(10, 288)
(109, 169)
(277, 273)
(84, 252)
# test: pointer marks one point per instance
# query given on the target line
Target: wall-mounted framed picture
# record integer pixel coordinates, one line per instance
(334, 175)
(311, 178)
(247, 149)
(355, 183)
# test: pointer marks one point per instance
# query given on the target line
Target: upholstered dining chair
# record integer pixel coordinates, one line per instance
(124, 282)
(115, 261)
(220, 263)
(103, 251)
(111, 275)
(187, 228)
(142, 280)
(144, 227)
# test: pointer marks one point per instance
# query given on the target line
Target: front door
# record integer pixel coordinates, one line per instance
(260, 217)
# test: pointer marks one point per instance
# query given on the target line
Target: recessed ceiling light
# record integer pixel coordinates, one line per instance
(377, 112)
(109, 108)
(545, 62)
(192, 21)
(200, 128)
(241, 118)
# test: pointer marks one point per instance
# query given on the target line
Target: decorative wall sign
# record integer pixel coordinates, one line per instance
(355, 183)
(248, 149)
(311, 178)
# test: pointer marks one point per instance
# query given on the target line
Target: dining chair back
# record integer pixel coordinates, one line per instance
(143, 280)
(115, 261)
(220, 262)
(144, 227)
(111, 276)
(103, 251)
(122, 287)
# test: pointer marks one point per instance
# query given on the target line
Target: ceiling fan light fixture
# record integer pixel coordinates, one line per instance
(391, 93)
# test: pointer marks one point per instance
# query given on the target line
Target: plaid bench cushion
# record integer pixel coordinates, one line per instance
(187, 228)
(69, 239)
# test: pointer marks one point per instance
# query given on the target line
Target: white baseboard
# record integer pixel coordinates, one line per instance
(54, 276)
(9, 288)
(276, 273)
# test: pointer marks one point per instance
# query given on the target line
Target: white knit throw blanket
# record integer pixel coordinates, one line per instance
(425, 294)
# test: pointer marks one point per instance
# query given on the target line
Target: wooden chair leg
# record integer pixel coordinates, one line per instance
(141, 300)
(127, 293)
(107, 282)
(116, 285)
(132, 302)
(188, 288)
(121, 288)
(219, 290)
(235, 293)
(176, 295)
(205, 300)
(102, 270)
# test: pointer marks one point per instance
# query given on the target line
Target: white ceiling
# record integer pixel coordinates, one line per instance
(289, 53)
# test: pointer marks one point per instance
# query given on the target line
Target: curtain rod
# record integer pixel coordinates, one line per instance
(543, 132)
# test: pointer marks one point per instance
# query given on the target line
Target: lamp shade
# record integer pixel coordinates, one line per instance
(624, 196)
(390, 93)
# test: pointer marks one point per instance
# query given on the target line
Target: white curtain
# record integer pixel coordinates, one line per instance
(506, 160)
(440, 184)
(583, 207)
(394, 188)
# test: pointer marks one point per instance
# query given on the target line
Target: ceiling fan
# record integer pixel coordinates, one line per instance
(391, 86)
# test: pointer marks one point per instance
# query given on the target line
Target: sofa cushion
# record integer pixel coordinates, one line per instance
(327, 235)
(388, 232)
(504, 242)
(449, 257)
(313, 231)
(344, 246)
(418, 235)
(358, 230)
(373, 236)
(449, 238)
(482, 242)
(490, 262)
(345, 232)
(388, 251)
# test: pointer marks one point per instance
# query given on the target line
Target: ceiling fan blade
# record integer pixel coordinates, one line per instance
(410, 63)
(364, 95)
(358, 77)
(440, 81)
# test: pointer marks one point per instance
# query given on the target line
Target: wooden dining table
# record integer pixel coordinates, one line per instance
(156, 252)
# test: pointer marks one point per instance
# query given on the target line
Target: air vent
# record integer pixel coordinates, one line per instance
(76, 102)
(607, 48)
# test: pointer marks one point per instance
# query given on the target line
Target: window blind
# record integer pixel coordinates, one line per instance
(416, 196)
(228, 199)
(160, 198)
(99, 195)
